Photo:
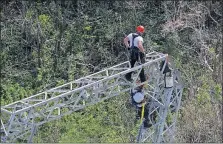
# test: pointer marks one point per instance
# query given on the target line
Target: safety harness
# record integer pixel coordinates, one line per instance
(133, 38)
(134, 53)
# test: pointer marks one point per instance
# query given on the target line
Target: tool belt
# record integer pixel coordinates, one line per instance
(168, 80)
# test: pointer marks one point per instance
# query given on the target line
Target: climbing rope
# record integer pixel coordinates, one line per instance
(142, 114)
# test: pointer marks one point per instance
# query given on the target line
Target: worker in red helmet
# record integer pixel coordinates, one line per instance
(134, 43)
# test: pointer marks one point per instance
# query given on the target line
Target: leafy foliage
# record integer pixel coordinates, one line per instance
(48, 43)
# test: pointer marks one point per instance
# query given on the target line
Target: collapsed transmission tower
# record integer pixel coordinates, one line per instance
(20, 120)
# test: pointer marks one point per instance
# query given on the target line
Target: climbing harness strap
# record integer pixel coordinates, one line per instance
(133, 38)
(134, 50)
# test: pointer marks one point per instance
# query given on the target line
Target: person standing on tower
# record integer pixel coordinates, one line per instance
(134, 43)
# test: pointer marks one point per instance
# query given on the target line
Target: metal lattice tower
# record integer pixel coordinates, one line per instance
(22, 118)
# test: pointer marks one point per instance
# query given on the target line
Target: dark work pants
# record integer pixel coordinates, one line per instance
(136, 55)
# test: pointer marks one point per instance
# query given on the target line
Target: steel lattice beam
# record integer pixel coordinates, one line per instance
(163, 105)
(21, 119)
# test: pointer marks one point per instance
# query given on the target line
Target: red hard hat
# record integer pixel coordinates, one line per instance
(140, 29)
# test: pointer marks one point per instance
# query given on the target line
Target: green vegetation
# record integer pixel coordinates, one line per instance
(48, 43)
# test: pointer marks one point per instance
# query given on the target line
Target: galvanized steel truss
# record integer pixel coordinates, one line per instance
(22, 118)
